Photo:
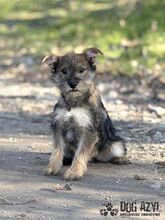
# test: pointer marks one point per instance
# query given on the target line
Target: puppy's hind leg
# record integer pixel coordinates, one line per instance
(56, 158)
(118, 152)
(114, 152)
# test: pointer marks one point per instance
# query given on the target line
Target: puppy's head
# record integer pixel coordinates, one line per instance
(73, 72)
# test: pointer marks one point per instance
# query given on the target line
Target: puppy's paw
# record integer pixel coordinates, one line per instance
(73, 174)
(120, 160)
(51, 171)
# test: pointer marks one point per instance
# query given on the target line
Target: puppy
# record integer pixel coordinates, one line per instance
(81, 127)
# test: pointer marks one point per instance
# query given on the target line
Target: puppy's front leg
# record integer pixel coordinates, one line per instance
(56, 158)
(85, 151)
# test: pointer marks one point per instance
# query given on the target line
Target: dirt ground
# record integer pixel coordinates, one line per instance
(136, 106)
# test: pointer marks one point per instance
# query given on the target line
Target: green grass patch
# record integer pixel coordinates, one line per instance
(130, 33)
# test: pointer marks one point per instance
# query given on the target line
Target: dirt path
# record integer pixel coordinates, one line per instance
(25, 144)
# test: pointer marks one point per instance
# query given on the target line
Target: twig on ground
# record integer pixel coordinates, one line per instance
(62, 187)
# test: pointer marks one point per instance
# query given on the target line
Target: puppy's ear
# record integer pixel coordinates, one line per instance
(50, 60)
(91, 54)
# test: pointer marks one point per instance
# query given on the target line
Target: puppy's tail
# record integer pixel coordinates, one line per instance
(112, 150)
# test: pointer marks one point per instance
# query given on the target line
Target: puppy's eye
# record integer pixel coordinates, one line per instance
(81, 70)
(64, 71)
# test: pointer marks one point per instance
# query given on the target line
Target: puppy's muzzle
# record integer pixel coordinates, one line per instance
(73, 83)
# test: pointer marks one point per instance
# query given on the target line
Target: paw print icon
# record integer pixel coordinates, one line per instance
(103, 212)
(109, 206)
(114, 212)
(109, 210)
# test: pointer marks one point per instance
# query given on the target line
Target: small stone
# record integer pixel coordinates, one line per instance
(101, 87)
(113, 94)
(21, 215)
(31, 147)
(118, 181)
(137, 177)
(118, 102)
(158, 109)
(61, 187)
(10, 139)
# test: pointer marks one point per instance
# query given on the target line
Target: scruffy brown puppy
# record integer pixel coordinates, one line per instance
(81, 127)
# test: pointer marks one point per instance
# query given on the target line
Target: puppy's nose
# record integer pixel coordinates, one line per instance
(73, 83)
